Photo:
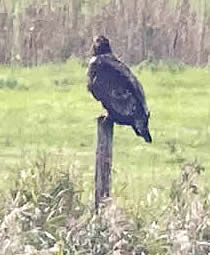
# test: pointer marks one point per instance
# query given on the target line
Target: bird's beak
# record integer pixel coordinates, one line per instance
(147, 137)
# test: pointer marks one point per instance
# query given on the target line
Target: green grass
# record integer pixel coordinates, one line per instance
(50, 109)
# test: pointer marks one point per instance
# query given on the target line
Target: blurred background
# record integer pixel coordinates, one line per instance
(33, 32)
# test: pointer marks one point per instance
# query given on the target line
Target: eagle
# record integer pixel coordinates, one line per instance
(112, 83)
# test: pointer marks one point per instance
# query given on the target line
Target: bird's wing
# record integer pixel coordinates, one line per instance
(125, 86)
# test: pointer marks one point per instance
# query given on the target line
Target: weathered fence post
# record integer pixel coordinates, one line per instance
(103, 159)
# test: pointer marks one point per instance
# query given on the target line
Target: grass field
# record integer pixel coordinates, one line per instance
(48, 108)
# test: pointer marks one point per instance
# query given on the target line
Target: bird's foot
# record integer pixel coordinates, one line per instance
(106, 117)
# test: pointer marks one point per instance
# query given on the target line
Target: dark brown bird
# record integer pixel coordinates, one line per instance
(112, 83)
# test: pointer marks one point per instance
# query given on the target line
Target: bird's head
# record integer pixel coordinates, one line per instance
(100, 46)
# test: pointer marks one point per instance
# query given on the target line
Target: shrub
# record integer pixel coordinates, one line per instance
(43, 214)
(9, 83)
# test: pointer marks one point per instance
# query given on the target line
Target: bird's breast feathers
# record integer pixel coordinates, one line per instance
(92, 60)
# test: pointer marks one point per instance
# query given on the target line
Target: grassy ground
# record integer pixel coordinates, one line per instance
(48, 108)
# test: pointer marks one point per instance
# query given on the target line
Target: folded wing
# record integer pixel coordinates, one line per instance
(112, 83)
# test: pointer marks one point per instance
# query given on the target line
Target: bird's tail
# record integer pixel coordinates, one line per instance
(143, 131)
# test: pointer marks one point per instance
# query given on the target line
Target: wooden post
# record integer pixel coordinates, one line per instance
(103, 159)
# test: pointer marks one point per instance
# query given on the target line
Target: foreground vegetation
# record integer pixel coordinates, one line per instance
(47, 147)
(43, 214)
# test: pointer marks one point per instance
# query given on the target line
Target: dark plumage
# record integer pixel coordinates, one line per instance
(112, 83)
